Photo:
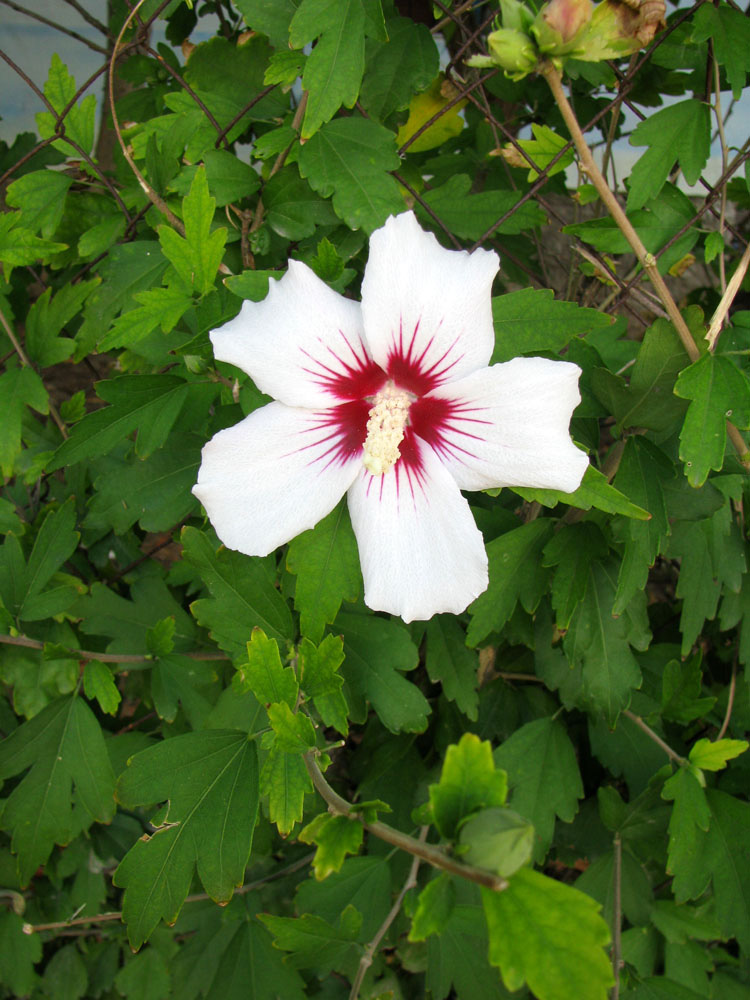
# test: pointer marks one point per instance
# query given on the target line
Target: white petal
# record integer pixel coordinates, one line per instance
(427, 304)
(270, 477)
(302, 344)
(510, 427)
(420, 550)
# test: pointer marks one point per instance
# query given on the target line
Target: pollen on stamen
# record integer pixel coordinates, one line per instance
(385, 429)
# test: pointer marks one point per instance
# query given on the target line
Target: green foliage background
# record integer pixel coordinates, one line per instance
(550, 791)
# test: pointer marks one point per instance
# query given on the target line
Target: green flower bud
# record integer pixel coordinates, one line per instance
(511, 49)
(497, 839)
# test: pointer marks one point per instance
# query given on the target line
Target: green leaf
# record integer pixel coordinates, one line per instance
(600, 645)
(643, 468)
(24, 588)
(229, 179)
(471, 215)
(154, 491)
(64, 748)
(349, 158)
(680, 133)
(406, 64)
(145, 977)
(697, 584)
(450, 663)
(161, 307)
(313, 942)
(326, 563)
(469, 781)
(149, 403)
(648, 400)
(19, 952)
(712, 755)
(363, 882)
(532, 320)
(40, 195)
(594, 491)
(550, 936)
(434, 908)
(320, 680)
(293, 731)
(99, 683)
(243, 594)
(270, 17)
(543, 148)
(543, 776)
(718, 391)
(210, 781)
(195, 258)
(181, 680)
(48, 317)
(294, 210)
(60, 89)
(19, 246)
(128, 269)
(572, 550)
(376, 652)
(284, 779)
(729, 31)
(66, 977)
(457, 957)
(333, 71)
(335, 836)
(516, 574)
(690, 818)
(681, 699)
(19, 388)
(657, 224)
(498, 840)
(264, 675)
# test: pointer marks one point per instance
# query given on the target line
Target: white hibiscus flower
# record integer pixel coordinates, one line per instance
(392, 402)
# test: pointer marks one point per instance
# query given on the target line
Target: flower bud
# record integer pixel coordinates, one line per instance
(560, 21)
(511, 49)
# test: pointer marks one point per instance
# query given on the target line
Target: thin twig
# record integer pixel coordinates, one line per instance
(646, 259)
(723, 144)
(89, 654)
(23, 357)
(366, 961)
(673, 756)
(89, 18)
(53, 24)
(102, 918)
(434, 856)
(616, 914)
(730, 701)
(717, 320)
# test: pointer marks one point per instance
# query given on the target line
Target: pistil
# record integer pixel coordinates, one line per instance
(385, 429)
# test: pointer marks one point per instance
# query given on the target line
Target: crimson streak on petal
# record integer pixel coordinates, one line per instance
(350, 374)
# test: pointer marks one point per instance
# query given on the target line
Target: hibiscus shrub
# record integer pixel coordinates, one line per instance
(393, 601)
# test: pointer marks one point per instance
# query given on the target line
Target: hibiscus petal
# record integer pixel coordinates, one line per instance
(427, 311)
(272, 476)
(508, 426)
(303, 344)
(420, 550)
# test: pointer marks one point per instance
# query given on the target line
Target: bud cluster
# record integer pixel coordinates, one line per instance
(568, 29)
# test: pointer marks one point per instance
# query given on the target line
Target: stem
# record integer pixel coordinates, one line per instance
(101, 918)
(717, 320)
(88, 654)
(730, 701)
(280, 160)
(366, 961)
(723, 142)
(434, 856)
(616, 914)
(673, 756)
(646, 259)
